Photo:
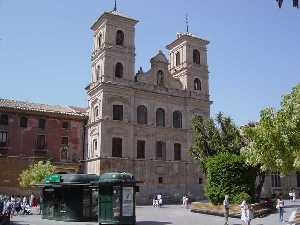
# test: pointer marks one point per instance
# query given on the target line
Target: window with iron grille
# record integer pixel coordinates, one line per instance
(3, 138)
(160, 117)
(142, 114)
(160, 150)
(177, 119)
(41, 142)
(276, 182)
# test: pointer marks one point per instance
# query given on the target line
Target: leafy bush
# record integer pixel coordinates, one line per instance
(238, 198)
(35, 173)
(228, 174)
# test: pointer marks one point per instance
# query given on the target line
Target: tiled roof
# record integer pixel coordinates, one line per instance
(44, 108)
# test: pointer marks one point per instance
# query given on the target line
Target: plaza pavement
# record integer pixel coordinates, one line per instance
(167, 215)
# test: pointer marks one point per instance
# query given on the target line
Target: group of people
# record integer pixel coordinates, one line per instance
(157, 200)
(17, 205)
(247, 210)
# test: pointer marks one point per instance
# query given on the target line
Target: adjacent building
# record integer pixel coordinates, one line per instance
(32, 132)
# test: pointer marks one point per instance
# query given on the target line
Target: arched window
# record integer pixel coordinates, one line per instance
(177, 119)
(177, 58)
(119, 70)
(142, 114)
(160, 78)
(196, 56)
(160, 117)
(100, 40)
(197, 85)
(120, 38)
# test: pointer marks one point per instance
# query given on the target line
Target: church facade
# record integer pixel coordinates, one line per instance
(141, 122)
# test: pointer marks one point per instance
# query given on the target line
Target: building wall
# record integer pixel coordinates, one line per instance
(22, 141)
(21, 150)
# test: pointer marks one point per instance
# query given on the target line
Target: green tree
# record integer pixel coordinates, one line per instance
(227, 174)
(274, 142)
(211, 137)
(35, 173)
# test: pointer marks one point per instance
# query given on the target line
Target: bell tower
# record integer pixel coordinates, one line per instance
(188, 62)
(113, 55)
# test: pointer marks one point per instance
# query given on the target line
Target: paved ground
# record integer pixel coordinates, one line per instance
(167, 215)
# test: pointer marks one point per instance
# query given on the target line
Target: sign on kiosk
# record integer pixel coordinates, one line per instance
(127, 201)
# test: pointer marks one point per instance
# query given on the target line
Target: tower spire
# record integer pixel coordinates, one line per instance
(115, 8)
(187, 22)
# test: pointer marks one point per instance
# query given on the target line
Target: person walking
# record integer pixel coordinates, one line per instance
(226, 209)
(279, 207)
(245, 213)
(294, 196)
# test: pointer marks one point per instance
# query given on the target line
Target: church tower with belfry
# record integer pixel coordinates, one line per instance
(141, 122)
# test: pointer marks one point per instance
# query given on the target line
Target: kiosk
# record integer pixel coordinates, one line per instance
(117, 199)
(69, 197)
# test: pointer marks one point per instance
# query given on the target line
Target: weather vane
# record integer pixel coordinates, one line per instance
(115, 8)
(187, 22)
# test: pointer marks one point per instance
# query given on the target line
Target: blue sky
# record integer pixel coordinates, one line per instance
(253, 55)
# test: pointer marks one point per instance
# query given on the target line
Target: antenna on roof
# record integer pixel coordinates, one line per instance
(115, 8)
(187, 22)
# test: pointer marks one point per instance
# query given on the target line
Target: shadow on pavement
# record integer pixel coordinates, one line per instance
(18, 223)
(292, 206)
(152, 223)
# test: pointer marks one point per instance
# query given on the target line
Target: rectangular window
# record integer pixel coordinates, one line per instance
(64, 140)
(117, 147)
(3, 138)
(23, 122)
(3, 119)
(276, 180)
(41, 142)
(117, 112)
(160, 150)
(140, 149)
(298, 179)
(177, 151)
(66, 125)
(160, 180)
(42, 123)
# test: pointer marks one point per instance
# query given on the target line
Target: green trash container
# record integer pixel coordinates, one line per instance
(116, 199)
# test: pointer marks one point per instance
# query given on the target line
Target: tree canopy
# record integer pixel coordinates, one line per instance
(274, 142)
(211, 137)
(35, 173)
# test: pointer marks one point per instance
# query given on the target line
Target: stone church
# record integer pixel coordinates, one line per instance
(141, 122)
